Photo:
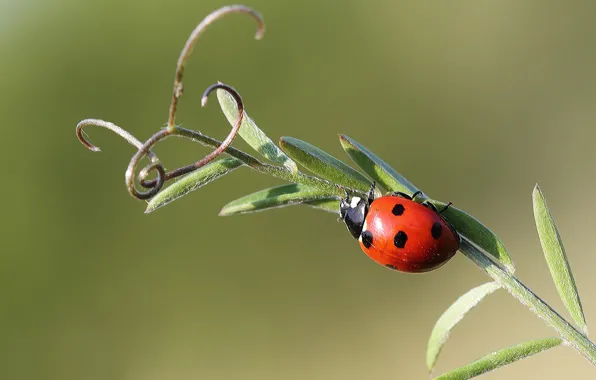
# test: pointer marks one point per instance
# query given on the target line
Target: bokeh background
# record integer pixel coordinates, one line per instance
(472, 101)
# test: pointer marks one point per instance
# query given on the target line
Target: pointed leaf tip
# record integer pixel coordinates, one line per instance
(451, 317)
(556, 258)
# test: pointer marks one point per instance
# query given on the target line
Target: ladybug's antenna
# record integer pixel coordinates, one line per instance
(342, 191)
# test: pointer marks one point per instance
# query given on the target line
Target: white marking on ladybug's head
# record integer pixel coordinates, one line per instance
(354, 202)
(364, 226)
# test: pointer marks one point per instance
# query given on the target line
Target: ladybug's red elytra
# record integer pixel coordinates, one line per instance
(400, 233)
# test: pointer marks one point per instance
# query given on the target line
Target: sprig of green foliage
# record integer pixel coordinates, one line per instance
(330, 179)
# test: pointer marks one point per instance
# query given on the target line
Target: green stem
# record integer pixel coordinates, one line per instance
(277, 171)
(204, 140)
(524, 295)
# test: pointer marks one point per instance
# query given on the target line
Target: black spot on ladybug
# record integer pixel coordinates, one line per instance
(400, 239)
(367, 238)
(390, 266)
(436, 231)
(398, 209)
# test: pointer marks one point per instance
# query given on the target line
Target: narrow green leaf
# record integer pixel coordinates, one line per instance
(501, 358)
(556, 259)
(252, 134)
(376, 168)
(279, 196)
(451, 317)
(193, 181)
(323, 164)
(478, 233)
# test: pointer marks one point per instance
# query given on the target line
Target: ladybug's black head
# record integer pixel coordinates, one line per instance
(352, 211)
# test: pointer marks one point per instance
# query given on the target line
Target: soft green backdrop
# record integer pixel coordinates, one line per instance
(473, 101)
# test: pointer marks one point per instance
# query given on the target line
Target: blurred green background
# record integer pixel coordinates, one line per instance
(472, 101)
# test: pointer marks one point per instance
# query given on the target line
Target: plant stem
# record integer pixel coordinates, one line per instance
(273, 170)
(524, 295)
(204, 140)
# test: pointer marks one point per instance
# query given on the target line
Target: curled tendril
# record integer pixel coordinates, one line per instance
(112, 127)
(136, 158)
(155, 185)
(144, 149)
(155, 164)
(192, 39)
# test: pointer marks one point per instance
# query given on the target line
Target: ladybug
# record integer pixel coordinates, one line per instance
(400, 233)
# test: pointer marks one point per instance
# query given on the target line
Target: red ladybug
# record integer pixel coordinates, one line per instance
(399, 233)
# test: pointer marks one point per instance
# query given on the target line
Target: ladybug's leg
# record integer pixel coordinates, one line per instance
(400, 194)
(429, 205)
(416, 194)
(404, 195)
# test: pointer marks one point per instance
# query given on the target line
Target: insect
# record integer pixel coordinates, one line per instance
(400, 233)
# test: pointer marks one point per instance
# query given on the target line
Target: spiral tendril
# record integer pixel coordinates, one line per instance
(155, 185)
